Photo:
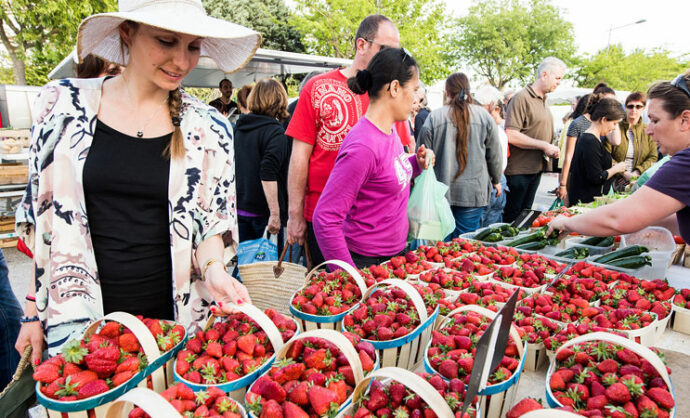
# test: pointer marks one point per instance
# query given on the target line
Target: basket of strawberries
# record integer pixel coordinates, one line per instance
(638, 325)
(175, 402)
(326, 297)
(612, 375)
(451, 352)
(394, 318)
(396, 392)
(535, 330)
(115, 354)
(232, 352)
(681, 311)
(314, 374)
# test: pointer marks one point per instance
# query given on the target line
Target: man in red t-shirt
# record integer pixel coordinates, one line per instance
(326, 111)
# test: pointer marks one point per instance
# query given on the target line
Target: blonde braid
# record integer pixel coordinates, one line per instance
(176, 147)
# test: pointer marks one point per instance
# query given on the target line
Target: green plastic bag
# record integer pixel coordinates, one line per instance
(557, 203)
(428, 210)
(649, 173)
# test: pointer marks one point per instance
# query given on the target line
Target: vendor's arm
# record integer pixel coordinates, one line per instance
(31, 333)
(614, 137)
(643, 208)
(352, 168)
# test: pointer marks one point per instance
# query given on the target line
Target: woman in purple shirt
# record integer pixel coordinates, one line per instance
(665, 199)
(361, 216)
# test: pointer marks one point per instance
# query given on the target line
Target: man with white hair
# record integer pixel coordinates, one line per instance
(490, 99)
(529, 126)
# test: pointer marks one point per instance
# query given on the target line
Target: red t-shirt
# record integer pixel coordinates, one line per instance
(326, 111)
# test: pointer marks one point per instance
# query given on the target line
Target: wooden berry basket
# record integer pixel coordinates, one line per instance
(343, 345)
(237, 388)
(681, 319)
(646, 336)
(660, 327)
(410, 380)
(494, 400)
(151, 402)
(550, 413)
(159, 369)
(310, 322)
(638, 349)
(405, 352)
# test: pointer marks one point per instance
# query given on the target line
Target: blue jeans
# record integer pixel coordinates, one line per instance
(10, 312)
(494, 212)
(466, 220)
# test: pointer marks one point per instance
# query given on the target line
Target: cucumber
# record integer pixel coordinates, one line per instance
(633, 262)
(504, 227)
(606, 242)
(534, 245)
(484, 233)
(593, 241)
(623, 252)
(574, 253)
(536, 236)
(510, 232)
(494, 237)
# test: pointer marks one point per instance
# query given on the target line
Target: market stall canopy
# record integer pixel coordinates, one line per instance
(266, 63)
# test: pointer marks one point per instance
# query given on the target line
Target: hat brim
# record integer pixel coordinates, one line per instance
(230, 45)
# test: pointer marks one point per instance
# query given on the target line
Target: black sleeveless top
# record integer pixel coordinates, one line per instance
(126, 192)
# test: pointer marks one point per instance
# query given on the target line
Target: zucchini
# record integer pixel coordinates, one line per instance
(574, 253)
(593, 241)
(494, 237)
(536, 236)
(483, 234)
(606, 242)
(534, 245)
(510, 232)
(623, 252)
(504, 227)
(633, 262)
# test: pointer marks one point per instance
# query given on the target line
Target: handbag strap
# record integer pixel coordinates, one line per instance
(278, 269)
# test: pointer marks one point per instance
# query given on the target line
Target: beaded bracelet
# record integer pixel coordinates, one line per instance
(27, 319)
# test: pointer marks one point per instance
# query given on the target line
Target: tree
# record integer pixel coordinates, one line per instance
(329, 26)
(268, 17)
(506, 40)
(634, 71)
(39, 34)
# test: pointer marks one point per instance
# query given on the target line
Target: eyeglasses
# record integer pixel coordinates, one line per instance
(679, 83)
(634, 106)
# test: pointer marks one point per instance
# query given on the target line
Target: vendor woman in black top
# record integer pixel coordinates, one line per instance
(591, 170)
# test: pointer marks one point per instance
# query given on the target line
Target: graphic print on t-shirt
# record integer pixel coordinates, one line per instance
(338, 109)
(403, 170)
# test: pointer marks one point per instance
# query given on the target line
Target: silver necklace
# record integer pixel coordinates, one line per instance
(140, 132)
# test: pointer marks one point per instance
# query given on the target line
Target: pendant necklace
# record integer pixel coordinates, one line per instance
(140, 132)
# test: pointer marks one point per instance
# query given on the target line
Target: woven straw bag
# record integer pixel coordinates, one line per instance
(271, 284)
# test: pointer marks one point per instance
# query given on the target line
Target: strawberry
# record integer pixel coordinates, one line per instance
(618, 393)
(377, 399)
(214, 349)
(448, 369)
(111, 330)
(291, 410)
(129, 343)
(298, 394)
(661, 397)
(122, 377)
(524, 406)
(46, 373)
(92, 388)
(321, 399)
(246, 343)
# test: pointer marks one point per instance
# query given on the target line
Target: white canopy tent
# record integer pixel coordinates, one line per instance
(266, 63)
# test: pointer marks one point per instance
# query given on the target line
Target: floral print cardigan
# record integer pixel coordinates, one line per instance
(52, 218)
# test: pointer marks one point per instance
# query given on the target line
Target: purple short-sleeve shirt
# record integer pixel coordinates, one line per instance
(672, 180)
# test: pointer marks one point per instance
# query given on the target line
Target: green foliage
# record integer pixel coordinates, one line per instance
(634, 71)
(40, 34)
(328, 28)
(506, 40)
(268, 17)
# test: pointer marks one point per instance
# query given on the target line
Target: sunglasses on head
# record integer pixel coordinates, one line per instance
(679, 83)
(635, 106)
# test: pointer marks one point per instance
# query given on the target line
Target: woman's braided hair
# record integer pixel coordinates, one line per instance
(176, 147)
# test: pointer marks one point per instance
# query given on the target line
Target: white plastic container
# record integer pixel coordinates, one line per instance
(593, 250)
(661, 247)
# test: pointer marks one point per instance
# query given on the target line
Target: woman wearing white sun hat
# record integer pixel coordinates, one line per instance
(151, 166)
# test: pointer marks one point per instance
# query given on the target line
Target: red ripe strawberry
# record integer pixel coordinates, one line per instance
(184, 392)
(246, 343)
(273, 390)
(290, 410)
(131, 363)
(122, 377)
(608, 366)
(597, 402)
(193, 376)
(129, 343)
(564, 354)
(618, 393)
(298, 394)
(661, 397)
(367, 362)
(556, 382)
(92, 388)
(341, 389)
(82, 378)
(111, 330)
(195, 345)
(212, 335)
(271, 409)
(448, 369)
(46, 373)
(214, 349)
(524, 406)
(321, 399)
(466, 364)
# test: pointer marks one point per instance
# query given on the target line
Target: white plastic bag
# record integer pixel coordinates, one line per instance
(428, 210)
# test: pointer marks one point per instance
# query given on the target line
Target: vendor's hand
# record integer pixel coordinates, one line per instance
(619, 167)
(296, 230)
(498, 189)
(31, 333)
(559, 224)
(561, 192)
(552, 151)
(224, 289)
(425, 157)
(273, 224)
(627, 175)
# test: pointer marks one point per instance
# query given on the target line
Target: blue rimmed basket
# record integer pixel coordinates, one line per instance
(638, 349)
(494, 400)
(151, 402)
(411, 381)
(237, 388)
(159, 369)
(343, 345)
(310, 322)
(407, 351)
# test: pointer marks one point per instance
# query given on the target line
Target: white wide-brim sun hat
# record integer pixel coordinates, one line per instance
(230, 45)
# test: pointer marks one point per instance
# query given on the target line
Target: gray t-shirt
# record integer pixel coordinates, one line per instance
(579, 125)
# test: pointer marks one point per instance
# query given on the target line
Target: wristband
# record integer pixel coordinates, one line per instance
(27, 319)
(206, 266)
(30, 298)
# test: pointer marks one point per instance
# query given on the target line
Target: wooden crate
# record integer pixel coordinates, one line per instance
(14, 173)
